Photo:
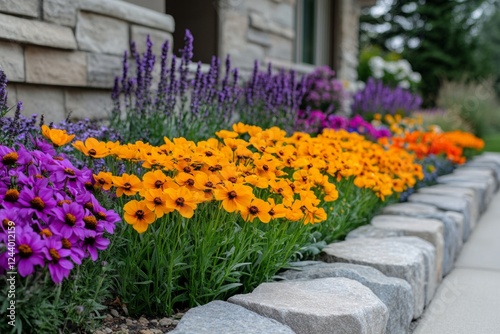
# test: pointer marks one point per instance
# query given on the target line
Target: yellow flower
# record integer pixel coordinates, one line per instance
(155, 200)
(57, 137)
(103, 180)
(138, 215)
(92, 148)
(234, 196)
(127, 184)
(257, 209)
(182, 200)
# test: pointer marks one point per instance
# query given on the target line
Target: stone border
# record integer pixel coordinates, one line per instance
(376, 281)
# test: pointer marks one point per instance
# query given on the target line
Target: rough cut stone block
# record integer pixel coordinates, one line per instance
(12, 61)
(453, 190)
(451, 204)
(86, 103)
(430, 230)
(35, 32)
(260, 22)
(101, 34)
(24, 7)
(39, 100)
(62, 12)
(55, 67)
(102, 70)
(130, 12)
(394, 292)
(281, 48)
(484, 190)
(370, 231)
(461, 178)
(453, 228)
(158, 37)
(259, 37)
(222, 317)
(485, 163)
(326, 305)
(393, 258)
(429, 253)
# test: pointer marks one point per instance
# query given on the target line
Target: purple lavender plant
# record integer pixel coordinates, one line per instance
(376, 98)
(324, 91)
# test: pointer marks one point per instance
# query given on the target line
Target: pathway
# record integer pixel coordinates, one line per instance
(468, 300)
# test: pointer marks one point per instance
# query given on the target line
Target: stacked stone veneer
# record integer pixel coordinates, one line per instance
(63, 55)
(266, 30)
(378, 280)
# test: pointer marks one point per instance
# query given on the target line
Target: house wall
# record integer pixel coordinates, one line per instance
(265, 30)
(63, 55)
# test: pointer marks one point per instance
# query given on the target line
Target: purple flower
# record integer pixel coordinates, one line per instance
(68, 220)
(38, 201)
(94, 243)
(30, 248)
(55, 254)
(76, 253)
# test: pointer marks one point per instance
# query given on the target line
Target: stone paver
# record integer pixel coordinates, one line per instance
(222, 317)
(325, 305)
(395, 293)
(468, 300)
(390, 256)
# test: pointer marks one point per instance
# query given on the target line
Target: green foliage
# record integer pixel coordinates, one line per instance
(437, 37)
(474, 103)
(44, 307)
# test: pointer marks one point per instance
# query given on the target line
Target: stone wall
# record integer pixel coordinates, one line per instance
(62, 56)
(266, 30)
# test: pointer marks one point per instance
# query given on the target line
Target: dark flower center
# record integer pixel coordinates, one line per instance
(89, 186)
(179, 201)
(10, 158)
(63, 201)
(89, 206)
(5, 223)
(89, 241)
(70, 219)
(92, 152)
(37, 203)
(55, 255)
(139, 214)
(25, 251)
(187, 169)
(69, 171)
(215, 168)
(265, 167)
(232, 179)
(209, 184)
(90, 222)
(253, 210)
(292, 186)
(157, 201)
(190, 182)
(12, 195)
(208, 153)
(46, 233)
(101, 215)
(158, 184)
(280, 190)
(271, 212)
(232, 194)
(102, 181)
(39, 176)
(66, 243)
(304, 178)
(303, 208)
(127, 186)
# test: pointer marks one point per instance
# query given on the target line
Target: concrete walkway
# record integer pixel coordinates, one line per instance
(468, 299)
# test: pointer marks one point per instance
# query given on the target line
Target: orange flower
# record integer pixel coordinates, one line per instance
(92, 148)
(103, 180)
(157, 180)
(57, 137)
(127, 184)
(234, 196)
(138, 215)
(276, 210)
(182, 200)
(257, 209)
(206, 183)
(155, 200)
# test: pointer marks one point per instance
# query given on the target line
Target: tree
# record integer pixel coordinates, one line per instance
(438, 37)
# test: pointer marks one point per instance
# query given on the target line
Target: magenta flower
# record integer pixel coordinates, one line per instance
(55, 254)
(30, 249)
(92, 244)
(68, 220)
(38, 201)
(76, 253)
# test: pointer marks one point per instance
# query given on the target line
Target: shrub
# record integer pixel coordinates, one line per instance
(324, 92)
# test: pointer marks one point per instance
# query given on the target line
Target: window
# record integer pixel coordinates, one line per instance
(315, 36)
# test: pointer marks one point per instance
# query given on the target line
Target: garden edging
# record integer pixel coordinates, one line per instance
(397, 262)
